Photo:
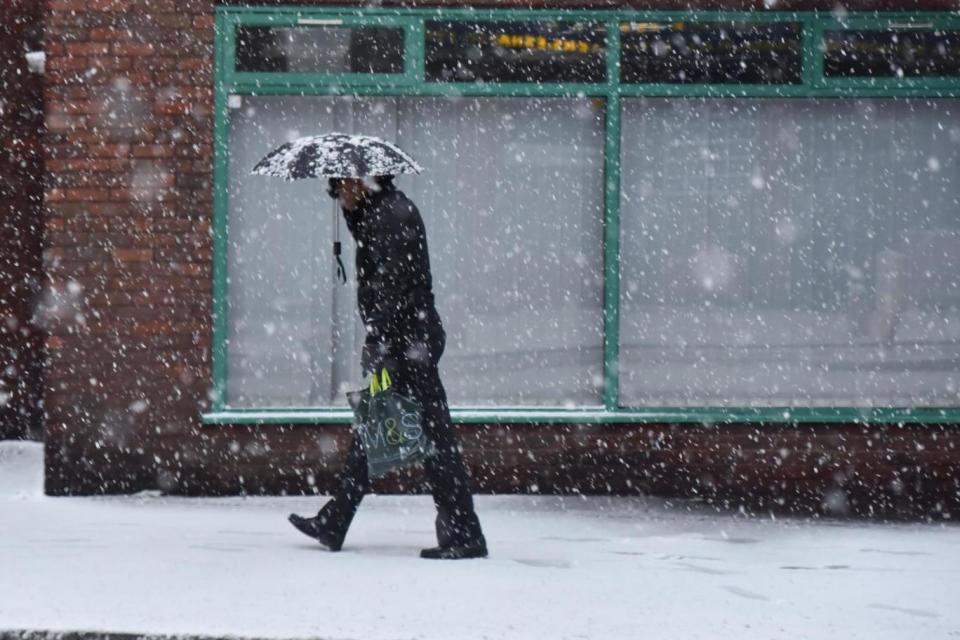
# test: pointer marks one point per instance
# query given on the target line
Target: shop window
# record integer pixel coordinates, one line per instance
(790, 252)
(320, 49)
(891, 53)
(713, 53)
(523, 308)
(774, 252)
(539, 52)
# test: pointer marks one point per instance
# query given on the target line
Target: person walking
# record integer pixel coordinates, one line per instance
(405, 336)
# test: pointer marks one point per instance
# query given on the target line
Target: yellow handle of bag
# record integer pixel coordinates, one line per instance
(380, 383)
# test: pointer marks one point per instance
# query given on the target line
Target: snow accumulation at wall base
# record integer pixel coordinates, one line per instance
(560, 567)
(21, 469)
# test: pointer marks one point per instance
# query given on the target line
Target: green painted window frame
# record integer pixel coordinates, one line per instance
(410, 27)
(227, 81)
(889, 21)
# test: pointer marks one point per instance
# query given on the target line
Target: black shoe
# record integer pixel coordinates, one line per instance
(313, 528)
(456, 552)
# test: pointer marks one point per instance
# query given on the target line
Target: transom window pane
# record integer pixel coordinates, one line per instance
(544, 51)
(714, 52)
(320, 49)
(891, 53)
(790, 252)
(512, 199)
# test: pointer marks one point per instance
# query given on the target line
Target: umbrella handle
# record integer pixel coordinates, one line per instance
(337, 246)
(341, 272)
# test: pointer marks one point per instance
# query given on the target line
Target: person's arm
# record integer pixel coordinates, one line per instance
(352, 218)
(397, 243)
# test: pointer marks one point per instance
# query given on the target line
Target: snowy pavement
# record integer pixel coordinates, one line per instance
(559, 568)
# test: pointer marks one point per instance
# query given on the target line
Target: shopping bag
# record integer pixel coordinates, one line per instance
(390, 427)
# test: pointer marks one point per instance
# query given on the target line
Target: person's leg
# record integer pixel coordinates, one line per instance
(418, 376)
(332, 522)
(353, 484)
(457, 522)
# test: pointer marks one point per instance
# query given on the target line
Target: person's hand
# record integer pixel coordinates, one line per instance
(368, 362)
(373, 357)
(377, 356)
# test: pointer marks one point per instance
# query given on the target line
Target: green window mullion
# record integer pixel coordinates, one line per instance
(298, 80)
(812, 52)
(415, 48)
(337, 18)
(511, 15)
(715, 90)
(225, 28)
(611, 255)
(425, 89)
(613, 54)
(229, 54)
(611, 223)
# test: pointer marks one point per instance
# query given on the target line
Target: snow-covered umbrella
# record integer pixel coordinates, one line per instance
(336, 155)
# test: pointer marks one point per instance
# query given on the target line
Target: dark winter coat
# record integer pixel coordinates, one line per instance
(394, 285)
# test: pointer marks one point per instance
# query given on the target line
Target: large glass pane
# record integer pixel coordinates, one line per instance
(541, 51)
(320, 49)
(891, 53)
(790, 252)
(288, 329)
(710, 52)
(512, 198)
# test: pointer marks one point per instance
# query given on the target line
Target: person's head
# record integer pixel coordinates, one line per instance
(352, 191)
(349, 191)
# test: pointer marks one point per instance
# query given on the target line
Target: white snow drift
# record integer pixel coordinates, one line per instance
(560, 568)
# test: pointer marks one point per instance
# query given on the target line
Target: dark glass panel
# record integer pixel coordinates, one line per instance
(710, 53)
(320, 49)
(515, 52)
(891, 53)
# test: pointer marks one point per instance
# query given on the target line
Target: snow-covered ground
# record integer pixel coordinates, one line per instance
(559, 568)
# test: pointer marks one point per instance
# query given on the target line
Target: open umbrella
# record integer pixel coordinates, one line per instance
(336, 155)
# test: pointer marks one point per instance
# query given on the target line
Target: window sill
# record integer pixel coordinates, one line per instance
(781, 415)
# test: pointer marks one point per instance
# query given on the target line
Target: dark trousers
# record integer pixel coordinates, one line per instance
(419, 378)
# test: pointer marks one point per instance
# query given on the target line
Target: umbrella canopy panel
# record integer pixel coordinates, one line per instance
(336, 155)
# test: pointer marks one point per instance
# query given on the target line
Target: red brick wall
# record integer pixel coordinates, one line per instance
(21, 225)
(129, 207)
(888, 471)
(129, 160)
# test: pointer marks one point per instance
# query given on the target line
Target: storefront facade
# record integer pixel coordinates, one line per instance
(708, 253)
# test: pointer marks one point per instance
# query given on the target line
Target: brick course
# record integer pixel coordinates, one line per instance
(129, 264)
